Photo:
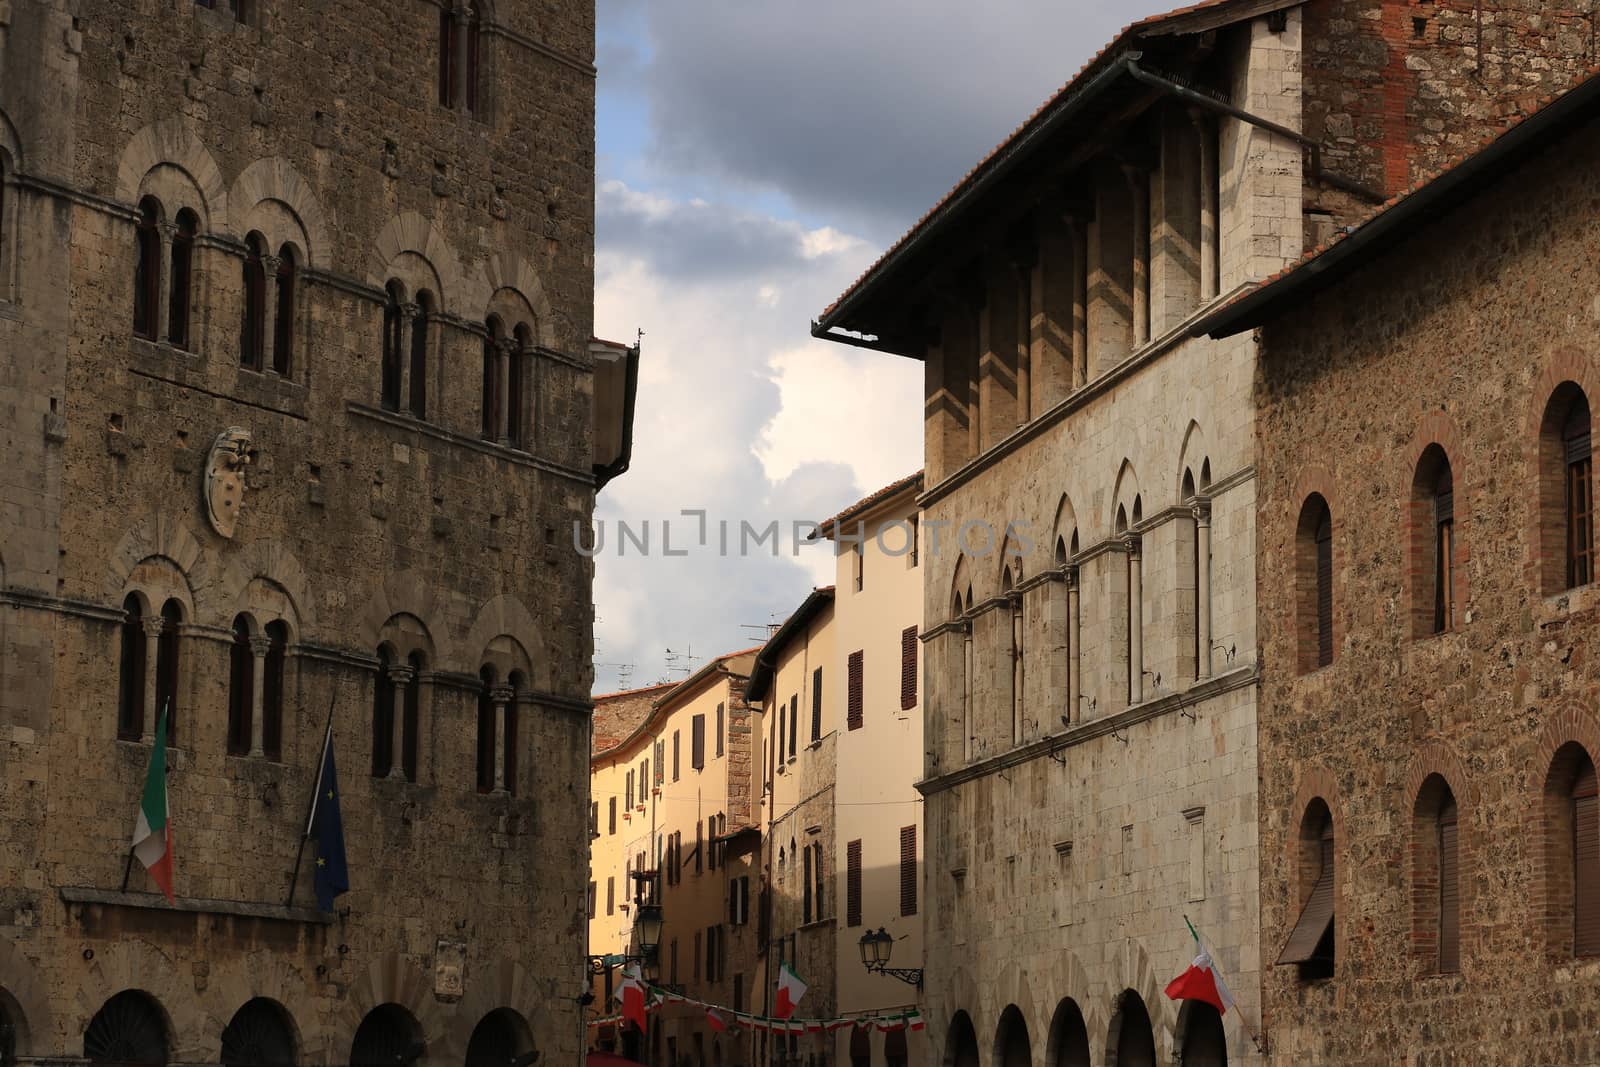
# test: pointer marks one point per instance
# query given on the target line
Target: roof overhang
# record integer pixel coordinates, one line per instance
(766, 666)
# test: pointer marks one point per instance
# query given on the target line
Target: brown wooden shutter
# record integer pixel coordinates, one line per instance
(783, 710)
(1586, 865)
(908, 870)
(613, 815)
(1449, 894)
(1325, 593)
(794, 724)
(697, 746)
(676, 752)
(611, 895)
(805, 892)
(908, 668)
(816, 704)
(852, 884)
(1315, 918)
(854, 718)
(630, 789)
(720, 708)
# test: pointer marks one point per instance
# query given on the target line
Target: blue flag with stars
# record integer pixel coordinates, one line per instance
(333, 877)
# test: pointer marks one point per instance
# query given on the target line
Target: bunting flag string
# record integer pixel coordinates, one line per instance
(658, 998)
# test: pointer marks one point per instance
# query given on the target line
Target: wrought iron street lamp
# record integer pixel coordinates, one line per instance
(876, 948)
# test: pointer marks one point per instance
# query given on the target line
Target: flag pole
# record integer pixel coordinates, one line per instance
(311, 808)
(127, 868)
(1244, 1021)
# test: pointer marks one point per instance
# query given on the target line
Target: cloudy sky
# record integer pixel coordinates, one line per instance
(754, 158)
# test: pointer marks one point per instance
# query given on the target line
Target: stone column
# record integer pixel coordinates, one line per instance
(1028, 303)
(1074, 687)
(966, 691)
(1205, 132)
(1139, 193)
(502, 696)
(502, 369)
(163, 309)
(258, 707)
(152, 652)
(1202, 588)
(400, 677)
(1079, 236)
(1019, 729)
(1135, 623)
(463, 28)
(269, 311)
(403, 340)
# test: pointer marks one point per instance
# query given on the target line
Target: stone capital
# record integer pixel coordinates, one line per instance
(401, 674)
(505, 346)
(1131, 543)
(1070, 572)
(1201, 509)
(153, 625)
(502, 694)
(260, 646)
(410, 309)
(270, 264)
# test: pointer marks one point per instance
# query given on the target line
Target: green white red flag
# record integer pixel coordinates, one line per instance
(1202, 981)
(790, 990)
(631, 994)
(152, 832)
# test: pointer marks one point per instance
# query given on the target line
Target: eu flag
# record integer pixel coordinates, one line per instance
(333, 877)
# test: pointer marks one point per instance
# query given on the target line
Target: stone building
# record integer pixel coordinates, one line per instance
(676, 810)
(1089, 522)
(299, 408)
(1427, 727)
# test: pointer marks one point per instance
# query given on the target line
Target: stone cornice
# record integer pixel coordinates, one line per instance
(488, 448)
(1082, 732)
(86, 896)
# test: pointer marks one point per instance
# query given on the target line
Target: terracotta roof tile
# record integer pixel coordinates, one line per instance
(867, 502)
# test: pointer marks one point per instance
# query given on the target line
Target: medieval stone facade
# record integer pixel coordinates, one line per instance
(1089, 524)
(1428, 729)
(296, 370)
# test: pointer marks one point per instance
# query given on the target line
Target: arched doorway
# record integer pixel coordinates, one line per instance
(130, 1028)
(894, 1049)
(1135, 1040)
(12, 1037)
(1069, 1037)
(260, 1035)
(961, 1046)
(860, 1046)
(1205, 1044)
(1011, 1045)
(501, 1039)
(389, 1036)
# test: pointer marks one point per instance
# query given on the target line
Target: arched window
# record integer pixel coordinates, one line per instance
(383, 716)
(393, 330)
(129, 1029)
(179, 299)
(1017, 654)
(283, 320)
(1572, 853)
(259, 1035)
(253, 323)
(418, 400)
(131, 683)
(413, 705)
(460, 26)
(1433, 545)
(167, 652)
(517, 388)
(518, 685)
(147, 269)
(1314, 584)
(486, 753)
(5, 172)
(241, 687)
(491, 380)
(1566, 492)
(277, 633)
(1436, 877)
(1311, 943)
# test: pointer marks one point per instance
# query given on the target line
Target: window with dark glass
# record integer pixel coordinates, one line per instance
(486, 752)
(179, 299)
(168, 647)
(147, 268)
(491, 381)
(418, 400)
(283, 321)
(277, 634)
(383, 716)
(1580, 497)
(241, 687)
(393, 330)
(253, 325)
(130, 688)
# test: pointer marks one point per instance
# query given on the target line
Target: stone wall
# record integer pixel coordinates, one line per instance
(320, 127)
(1458, 337)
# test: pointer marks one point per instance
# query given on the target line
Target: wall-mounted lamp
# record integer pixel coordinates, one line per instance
(1227, 652)
(1120, 736)
(876, 948)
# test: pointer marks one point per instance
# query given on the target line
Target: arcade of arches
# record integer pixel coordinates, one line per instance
(1130, 1040)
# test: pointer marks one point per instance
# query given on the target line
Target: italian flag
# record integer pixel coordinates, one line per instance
(152, 834)
(790, 990)
(715, 1020)
(1201, 981)
(631, 994)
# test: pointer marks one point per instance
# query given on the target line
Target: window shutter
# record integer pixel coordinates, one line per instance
(613, 814)
(794, 724)
(854, 707)
(805, 892)
(719, 730)
(699, 847)
(661, 761)
(1586, 866)
(816, 704)
(1316, 918)
(1325, 593)
(697, 745)
(676, 752)
(611, 895)
(591, 899)
(630, 789)
(908, 668)
(1449, 894)
(816, 874)
(852, 884)
(908, 870)
(696, 968)
(783, 709)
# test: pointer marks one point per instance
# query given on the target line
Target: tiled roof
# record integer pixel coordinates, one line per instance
(1421, 185)
(867, 502)
(1133, 29)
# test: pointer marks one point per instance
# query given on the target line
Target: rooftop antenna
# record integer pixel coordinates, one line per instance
(681, 663)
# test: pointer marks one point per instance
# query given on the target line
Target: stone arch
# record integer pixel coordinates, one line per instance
(961, 1041)
(1012, 1046)
(1136, 974)
(410, 233)
(391, 978)
(1193, 461)
(269, 561)
(155, 580)
(176, 190)
(506, 616)
(1199, 1035)
(171, 142)
(24, 998)
(1064, 532)
(507, 270)
(1131, 1039)
(505, 986)
(405, 593)
(136, 965)
(1068, 1042)
(1126, 499)
(157, 536)
(961, 588)
(268, 976)
(1570, 735)
(10, 142)
(275, 179)
(1012, 989)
